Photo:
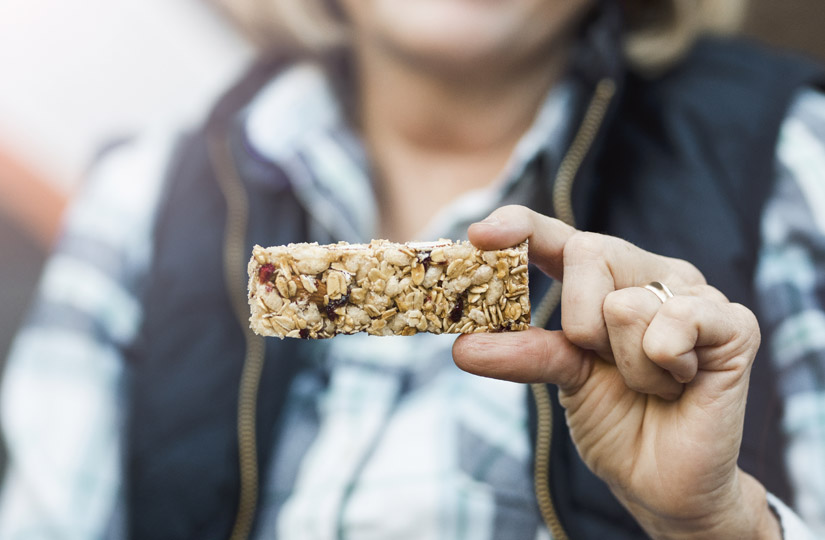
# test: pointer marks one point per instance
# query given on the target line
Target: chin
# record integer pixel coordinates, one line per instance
(452, 51)
(457, 29)
(460, 33)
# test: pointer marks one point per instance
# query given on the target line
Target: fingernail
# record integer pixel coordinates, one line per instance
(681, 378)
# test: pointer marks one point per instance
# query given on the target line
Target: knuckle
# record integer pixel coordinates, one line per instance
(585, 244)
(750, 331)
(687, 272)
(657, 347)
(745, 314)
(709, 292)
(623, 308)
(680, 308)
(584, 333)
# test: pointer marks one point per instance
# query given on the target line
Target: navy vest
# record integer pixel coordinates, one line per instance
(682, 167)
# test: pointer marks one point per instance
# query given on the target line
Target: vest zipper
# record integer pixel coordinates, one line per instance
(234, 261)
(237, 215)
(563, 208)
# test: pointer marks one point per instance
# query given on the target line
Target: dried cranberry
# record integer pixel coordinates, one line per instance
(426, 262)
(304, 332)
(266, 272)
(458, 310)
(335, 304)
(340, 301)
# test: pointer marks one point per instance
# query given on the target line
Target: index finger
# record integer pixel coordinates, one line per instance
(608, 263)
(591, 265)
(510, 225)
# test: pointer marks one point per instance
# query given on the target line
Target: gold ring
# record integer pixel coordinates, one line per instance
(661, 290)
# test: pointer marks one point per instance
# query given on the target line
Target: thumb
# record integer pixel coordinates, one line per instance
(531, 356)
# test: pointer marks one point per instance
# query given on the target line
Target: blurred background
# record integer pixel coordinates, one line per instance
(75, 74)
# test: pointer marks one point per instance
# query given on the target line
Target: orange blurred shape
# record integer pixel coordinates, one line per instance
(29, 201)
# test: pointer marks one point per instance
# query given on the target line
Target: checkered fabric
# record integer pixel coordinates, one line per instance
(442, 454)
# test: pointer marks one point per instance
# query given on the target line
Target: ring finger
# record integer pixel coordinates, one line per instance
(627, 314)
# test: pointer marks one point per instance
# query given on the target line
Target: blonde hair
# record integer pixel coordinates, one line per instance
(659, 32)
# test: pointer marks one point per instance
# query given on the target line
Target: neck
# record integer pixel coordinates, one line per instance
(439, 111)
(435, 134)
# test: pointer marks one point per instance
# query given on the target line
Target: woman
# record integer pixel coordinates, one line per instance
(436, 115)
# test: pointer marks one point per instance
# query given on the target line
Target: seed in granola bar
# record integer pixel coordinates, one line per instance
(502, 268)
(378, 286)
(392, 288)
(489, 257)
(308, 284)
(397, 257)
(494, 292)
(455, 268)
(359, 316)
(477, 316)
(285, 270)
(482, 275)
(461, 251)
(431, 276)
(281, 285)
(311, 259)
(357, 294)
(519, 269)
(417, 274)
(374, 275)
(378, 325)
(512, 311)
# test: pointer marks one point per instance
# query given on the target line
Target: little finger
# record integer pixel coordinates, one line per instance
(715, 335)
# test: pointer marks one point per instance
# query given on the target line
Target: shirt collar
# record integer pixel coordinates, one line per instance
(296, 122)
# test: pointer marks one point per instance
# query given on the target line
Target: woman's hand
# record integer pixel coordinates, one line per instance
(654, 392)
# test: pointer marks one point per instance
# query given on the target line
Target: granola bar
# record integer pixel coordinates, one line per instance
(384, 288)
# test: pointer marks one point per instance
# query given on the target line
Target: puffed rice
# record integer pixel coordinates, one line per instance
(384, 288)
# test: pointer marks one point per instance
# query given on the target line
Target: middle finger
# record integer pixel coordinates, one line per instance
(628, 313)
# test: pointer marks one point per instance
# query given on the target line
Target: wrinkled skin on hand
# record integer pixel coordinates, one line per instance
(654, 392)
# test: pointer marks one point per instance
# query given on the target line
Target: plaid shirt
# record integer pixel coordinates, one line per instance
(398, 425)
(790, 280)
(60, 407)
